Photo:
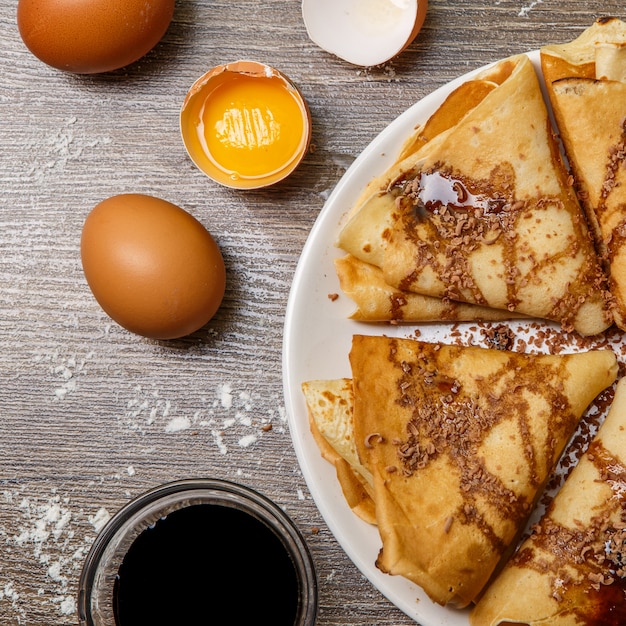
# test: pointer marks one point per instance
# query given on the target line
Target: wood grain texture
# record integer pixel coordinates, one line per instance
(90, 415)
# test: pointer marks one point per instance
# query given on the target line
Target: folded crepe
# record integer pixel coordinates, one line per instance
(461, 100)
(572, 569)
(586, 84)
(456, 443)
(481, 212)
(330, 404)
(376, 301)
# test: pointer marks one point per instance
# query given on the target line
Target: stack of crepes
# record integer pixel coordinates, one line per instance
(446, 449)
(478, 217)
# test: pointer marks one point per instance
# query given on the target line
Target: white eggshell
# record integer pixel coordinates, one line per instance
(363, 32)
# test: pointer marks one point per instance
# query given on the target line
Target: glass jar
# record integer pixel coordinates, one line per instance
(98, 599)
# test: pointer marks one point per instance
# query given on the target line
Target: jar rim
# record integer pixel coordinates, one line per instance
(186, 492)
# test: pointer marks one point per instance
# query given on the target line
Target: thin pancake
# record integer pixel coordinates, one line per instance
(459, 441)
(482, 220)
(377, 199)
(376, 301)
(572, 568)
(330, 404)
(586, 82)
(598, 44)
(463, 99)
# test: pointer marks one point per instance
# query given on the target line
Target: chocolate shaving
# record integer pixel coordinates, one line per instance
(371, 437)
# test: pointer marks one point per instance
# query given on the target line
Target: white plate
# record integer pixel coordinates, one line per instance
(317, 339)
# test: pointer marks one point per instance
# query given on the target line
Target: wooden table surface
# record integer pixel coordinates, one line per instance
(92, 415)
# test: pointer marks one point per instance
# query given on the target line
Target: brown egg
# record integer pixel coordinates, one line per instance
(152, 266)
(91, 36)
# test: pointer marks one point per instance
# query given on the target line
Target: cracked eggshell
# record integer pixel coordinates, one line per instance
(363, 32)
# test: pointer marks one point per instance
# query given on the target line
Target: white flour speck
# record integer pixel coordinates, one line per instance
(54, 571)
(342, 161)
(177, 424)
(225, 393)
(47, 521)
(524, 11)
(325, 194)
(60, 147)
(99, 520)
(247, 440)
(79, 553)
(68, 605)
(219, 440)
(45, 528)
(145, 409)
(64, 370)
(131, 470)
(244, 419)
(246, 399)
(230, 415)
(10, 593)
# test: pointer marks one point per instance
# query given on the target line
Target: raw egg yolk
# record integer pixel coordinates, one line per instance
(250, 126)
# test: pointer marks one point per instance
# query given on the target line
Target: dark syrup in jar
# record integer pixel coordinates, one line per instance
(202, 561)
